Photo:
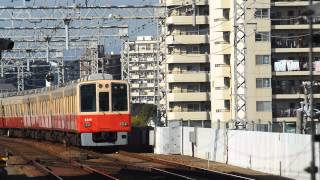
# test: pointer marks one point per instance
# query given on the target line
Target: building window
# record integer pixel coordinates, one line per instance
(226, 36)
(262, 36)
(226, 13)
(226, 58)
(227, 104)
(263, 83)
(262, 13)
(264, 106)
(262, 59)
(193, 107)
(226, 81)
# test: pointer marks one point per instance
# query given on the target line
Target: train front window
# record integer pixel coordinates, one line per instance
(88, 97)
(103, 101)
(119, 97)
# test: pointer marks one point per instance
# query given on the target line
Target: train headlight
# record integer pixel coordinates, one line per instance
(87, 124)
(124, 124)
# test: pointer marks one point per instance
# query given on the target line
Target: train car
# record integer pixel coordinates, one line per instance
(93, 111)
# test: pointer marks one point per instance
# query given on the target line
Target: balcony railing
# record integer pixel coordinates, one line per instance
(190, 110)
(187, 72)
(291, 43)
(199, 32)
(284, 112)
(201, 90)
(293, 20)
(289, 0)
(292, 90)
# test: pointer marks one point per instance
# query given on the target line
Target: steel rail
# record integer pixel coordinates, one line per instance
(93, 170)
(44, 168)
(171, 174)
(175, 164)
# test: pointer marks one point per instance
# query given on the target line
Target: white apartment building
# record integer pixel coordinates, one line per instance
(276, 61)
(186, 67)
(203, 74)
(143, 70)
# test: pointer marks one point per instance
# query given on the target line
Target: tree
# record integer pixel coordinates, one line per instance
(142, 114)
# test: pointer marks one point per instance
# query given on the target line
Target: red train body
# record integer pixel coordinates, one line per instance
(87, 113)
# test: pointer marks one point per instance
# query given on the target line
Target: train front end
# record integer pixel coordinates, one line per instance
(104, 113)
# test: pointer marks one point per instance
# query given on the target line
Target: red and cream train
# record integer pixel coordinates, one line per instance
(93, 111)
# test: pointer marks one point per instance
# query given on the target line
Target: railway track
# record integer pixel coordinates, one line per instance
(192, 169)
(123, 165)
(53, 166)
(170, 168)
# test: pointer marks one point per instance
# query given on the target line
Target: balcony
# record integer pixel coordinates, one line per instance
(292, 45)
(188, 58)
(188, 115)
(190, 76)
(190, 96)
(301, 69)
(150, 77)
(292, 22)
(134, 85)
(284, 112)
(134, 93)
(287, 3)
(187, 39)
(187, 20)
(134, 77)
(180, 3)
(183, 31)
(134, 68)
(292, 92)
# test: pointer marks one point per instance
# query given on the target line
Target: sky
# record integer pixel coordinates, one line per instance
(136, 27)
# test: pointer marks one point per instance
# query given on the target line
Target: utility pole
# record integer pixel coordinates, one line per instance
(313, 168)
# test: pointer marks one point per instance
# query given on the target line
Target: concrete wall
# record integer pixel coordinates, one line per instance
(275, 153)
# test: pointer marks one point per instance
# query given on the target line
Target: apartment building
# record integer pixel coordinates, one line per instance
(143, 70)
(276, 61)
(186, 68)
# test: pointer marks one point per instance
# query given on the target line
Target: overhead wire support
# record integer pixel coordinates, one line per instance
(125, 50)
(239, 89)
(88, 24)
(49, 13)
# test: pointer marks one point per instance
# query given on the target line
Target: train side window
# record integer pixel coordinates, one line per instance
(103, 101)
(88, 98)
